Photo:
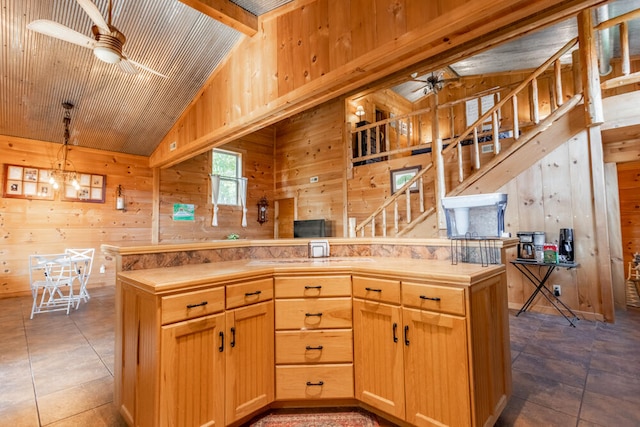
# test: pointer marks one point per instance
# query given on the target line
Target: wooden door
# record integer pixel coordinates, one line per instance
(378, 360)
(436, 369)
(250, 360)
(192, 372)
(285, 214)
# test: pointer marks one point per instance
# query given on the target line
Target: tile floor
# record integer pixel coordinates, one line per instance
(57, 370)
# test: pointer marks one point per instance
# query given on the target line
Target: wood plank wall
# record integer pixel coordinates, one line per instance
(39, 226)
(309, 145)
(189, 182)
(313, 51)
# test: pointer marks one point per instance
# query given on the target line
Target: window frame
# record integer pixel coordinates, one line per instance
(233, 180)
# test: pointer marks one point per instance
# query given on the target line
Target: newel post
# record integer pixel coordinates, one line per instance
(594, 117)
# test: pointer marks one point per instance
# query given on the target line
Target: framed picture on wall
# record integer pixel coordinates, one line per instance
(23, 182)
(400, 177)
(92, 189)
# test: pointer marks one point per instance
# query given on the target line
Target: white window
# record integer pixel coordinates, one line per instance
(228, 165)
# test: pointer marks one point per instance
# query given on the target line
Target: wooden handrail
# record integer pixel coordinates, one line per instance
(511, 94)
(395, 196)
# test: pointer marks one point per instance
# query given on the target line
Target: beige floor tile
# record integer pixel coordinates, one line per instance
(75, 400)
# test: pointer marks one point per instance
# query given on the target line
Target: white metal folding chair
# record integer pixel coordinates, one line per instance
(82, 262)
(50, 275)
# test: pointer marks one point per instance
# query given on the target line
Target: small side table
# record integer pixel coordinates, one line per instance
(539, 281)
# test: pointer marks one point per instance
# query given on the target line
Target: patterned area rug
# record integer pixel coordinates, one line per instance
(342, 418)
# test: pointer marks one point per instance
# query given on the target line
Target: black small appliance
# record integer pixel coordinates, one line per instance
(565, 245)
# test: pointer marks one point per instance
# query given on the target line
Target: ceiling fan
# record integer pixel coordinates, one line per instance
(434, 82)
(107, 41)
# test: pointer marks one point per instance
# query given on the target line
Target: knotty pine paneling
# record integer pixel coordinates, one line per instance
(555, 193)
(629, 190)
(289, 66)
(189, 182)
(310, 145)
(39, 226)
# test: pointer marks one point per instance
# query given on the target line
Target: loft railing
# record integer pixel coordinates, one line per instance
(448, 153)
(626, 76)
(444, 154)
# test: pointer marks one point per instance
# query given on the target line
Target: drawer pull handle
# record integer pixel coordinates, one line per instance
(221, 348)
(232, 343)
(319, 383)
(406, 335)
(395, 332)
(250, 294)
(373, 290)
(313, 314)
(430, 298)
(313, 287)
(202, 304)
(314, 348)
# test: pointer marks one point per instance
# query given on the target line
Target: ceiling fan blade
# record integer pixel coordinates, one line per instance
(59, 31)
(126, 64)
(95, 15)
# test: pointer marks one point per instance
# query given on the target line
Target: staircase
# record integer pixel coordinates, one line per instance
(461, 157)
(458, 167)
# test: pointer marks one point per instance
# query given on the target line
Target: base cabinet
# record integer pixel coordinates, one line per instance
(193, 373)
(436, 371)
(249, 360)
(425, 353)
(412, 351)
(183, 360)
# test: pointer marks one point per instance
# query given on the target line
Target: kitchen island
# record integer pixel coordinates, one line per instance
(418, 341)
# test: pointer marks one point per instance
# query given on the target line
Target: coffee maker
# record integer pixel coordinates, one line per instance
(526, 246)
(565, 245)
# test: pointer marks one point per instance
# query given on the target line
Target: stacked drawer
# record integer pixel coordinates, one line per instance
(314, 337)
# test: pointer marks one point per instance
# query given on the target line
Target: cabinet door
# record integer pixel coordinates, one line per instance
(250, 360)
(378, 361)
(192, 372)
(436, 369)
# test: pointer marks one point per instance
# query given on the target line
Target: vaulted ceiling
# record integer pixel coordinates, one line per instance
(113, 110)
(131, 113)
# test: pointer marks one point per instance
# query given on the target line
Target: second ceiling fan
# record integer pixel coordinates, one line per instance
(107, 41)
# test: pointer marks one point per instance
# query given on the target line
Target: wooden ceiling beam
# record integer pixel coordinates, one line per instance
(228, 13)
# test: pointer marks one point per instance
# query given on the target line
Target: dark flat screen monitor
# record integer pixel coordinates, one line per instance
(309, 228)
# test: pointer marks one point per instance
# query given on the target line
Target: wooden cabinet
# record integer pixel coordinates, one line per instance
(411, 345)
(183, 360)
(314, 340)
(192, 372)
(249, 360)
(415, 361)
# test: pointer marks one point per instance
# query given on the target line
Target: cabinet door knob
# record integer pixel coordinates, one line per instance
(395, 332)
(406, 335)
(313, 287)
(373, 290)
(232, 343)
(429, 298)
(221, 348)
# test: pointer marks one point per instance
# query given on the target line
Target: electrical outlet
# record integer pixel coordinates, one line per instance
(313, 179)
(102, 269)
(556, 290)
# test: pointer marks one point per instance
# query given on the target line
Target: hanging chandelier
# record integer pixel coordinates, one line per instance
(62, 169)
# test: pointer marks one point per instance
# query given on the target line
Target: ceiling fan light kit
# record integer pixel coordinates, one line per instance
(107, 42)
(108, 46)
